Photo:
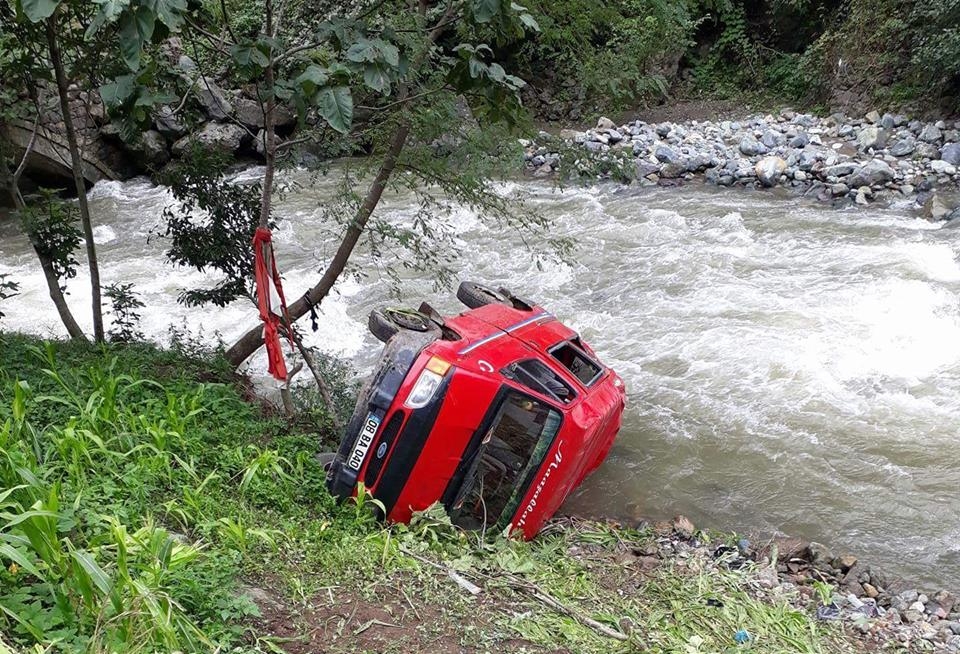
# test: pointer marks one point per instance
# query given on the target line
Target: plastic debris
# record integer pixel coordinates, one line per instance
(741, 636)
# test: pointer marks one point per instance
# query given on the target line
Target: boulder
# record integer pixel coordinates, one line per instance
(951, 153)
(605, 123)
(225, 137)
(666, 154)
(153, 147)
(249, 113)
(801, 140)
(942, 167)
(935, 209)
(930, 134)
(751, 146)
(871, 137)
(213, 99)
(903, 147)
(839, 170)
(769, 169)
(168, 124)
(873, 117)
(771, 139)
(871, 173)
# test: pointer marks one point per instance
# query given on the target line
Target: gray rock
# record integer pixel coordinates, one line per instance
(926, 151)
(605, 123)
(614, 136)
(769, 169)
(888, 121)
(213, 99)
(839, 170)
(673, 170)
(186, 64)
(595, 146)
(912, 617)
(931, 134)
(935, 209)
(645, 168)
(845, 131)
(953, 644)
(250, 113)
(225, 137)
(837, 190)
(871, 137)
(942, 167)
(801, 140)
(771, 139)
(751, 146)
(168, 124)
(871, 173)
(800, 176)
(951, 153)
(153, 148)
(873, 117)
(663, 130)
(667, 154)
(903, 147)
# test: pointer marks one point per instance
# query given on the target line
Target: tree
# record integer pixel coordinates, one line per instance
(19, 61)
(407, 72)
(59, 19)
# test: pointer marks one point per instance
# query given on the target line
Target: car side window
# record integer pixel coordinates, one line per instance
(576, 361)
(538, 377)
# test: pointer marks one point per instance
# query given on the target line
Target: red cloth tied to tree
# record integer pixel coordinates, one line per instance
(271, 303)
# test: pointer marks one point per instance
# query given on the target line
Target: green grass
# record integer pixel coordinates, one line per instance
(141, 495)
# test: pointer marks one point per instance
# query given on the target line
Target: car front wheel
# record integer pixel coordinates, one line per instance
(477, 295)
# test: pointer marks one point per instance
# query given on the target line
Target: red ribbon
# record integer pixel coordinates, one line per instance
(271, 321)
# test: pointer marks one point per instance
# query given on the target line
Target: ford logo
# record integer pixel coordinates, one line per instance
(381, 450)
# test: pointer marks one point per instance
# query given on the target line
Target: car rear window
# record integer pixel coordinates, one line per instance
(500, 470)
(576, 361)
(538, 377)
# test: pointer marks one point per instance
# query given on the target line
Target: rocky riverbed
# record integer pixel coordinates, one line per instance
(835, 159)
(882, 610)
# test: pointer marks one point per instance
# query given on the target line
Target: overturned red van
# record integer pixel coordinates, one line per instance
(498, 413)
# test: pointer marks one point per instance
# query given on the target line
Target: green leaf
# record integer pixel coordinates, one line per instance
(170, 12)
(117, 92)
(362, 51)
(389, 52)
(97, 575)
(496, 72)
(477, 68)
(37, 10)
(247, 55)
(312, 78)
(336, 107)
(530, 22)
(377, 77)
(107, 13)
(20, 559)
(485, 10)
(136, 29)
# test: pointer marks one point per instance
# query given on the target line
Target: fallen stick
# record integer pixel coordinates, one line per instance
(544, 597)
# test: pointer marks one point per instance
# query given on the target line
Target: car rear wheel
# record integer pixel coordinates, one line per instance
(385, 323)
(477, 295)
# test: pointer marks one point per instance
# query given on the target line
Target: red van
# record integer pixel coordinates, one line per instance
(498, 413)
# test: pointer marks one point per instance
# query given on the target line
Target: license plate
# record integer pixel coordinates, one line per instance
(367, 435)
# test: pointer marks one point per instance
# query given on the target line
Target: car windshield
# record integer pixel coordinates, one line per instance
(509, 453)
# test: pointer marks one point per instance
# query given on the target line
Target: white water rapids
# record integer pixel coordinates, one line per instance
(791, 368)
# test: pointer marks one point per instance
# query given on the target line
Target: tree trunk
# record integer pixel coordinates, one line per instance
(76, 166)
(253, 339)
(53, 283)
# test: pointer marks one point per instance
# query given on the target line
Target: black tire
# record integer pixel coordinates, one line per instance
(477, 295)
(385, 323)
(325, 459)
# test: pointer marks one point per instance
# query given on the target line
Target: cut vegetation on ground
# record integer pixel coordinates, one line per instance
(147, 506)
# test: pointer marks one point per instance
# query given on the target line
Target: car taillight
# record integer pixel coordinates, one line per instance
(427, 383)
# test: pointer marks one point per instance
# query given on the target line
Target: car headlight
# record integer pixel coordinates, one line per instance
(427, 384)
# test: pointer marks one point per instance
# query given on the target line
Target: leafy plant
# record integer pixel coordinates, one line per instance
(126, 313)
(8, 288)
(51, 225)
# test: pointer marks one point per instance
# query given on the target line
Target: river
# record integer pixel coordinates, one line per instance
(791, 368)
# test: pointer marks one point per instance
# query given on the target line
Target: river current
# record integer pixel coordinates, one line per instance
(791, 368)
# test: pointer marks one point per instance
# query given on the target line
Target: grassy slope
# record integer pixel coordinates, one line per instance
(171, 514)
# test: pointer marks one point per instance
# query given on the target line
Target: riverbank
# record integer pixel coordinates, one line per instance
(836, 159)
(146, 451)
